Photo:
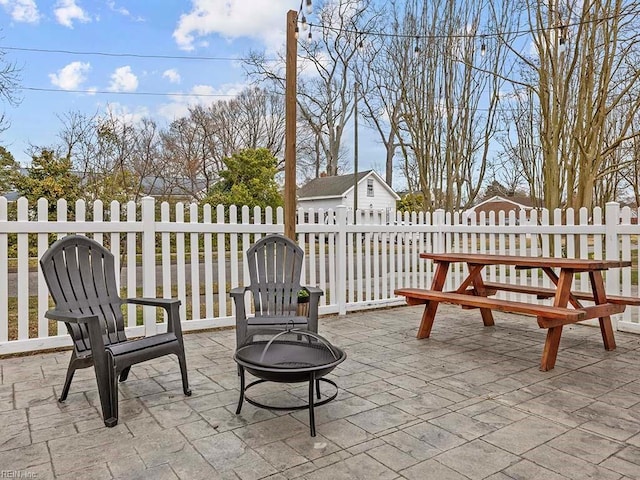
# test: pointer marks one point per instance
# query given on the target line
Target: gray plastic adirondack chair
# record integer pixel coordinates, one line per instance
(275, 266)
(81, 277)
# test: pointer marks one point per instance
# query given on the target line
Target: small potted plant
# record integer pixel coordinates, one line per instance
(303, 302)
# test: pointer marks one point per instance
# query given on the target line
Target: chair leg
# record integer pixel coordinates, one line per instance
(183, 371)
(113, 387)
(104, 366)
(74, 364)
(124, 374)
(67, 382)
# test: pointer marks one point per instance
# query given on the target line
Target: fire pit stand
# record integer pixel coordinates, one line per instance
(289, 356)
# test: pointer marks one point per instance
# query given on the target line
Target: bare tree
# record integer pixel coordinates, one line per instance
(9, 83)
(454, 72)
(116, 159)
(195, 146)
(326, 75)
(382, 71)
(584, 80)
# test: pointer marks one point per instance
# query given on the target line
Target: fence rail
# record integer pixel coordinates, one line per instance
(196, 253)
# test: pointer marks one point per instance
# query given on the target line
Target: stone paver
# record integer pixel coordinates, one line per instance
(468, 403)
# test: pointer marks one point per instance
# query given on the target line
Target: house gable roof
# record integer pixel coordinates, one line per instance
(523, 203)
(337, 186)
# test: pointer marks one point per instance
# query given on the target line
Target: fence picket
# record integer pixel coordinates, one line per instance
(4, 274)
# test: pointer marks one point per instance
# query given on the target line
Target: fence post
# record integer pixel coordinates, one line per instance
(612, 245)
(439, 236)
(149, 262)
(341, 259)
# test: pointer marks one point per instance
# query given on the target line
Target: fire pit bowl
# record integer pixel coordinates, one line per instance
(290, 356)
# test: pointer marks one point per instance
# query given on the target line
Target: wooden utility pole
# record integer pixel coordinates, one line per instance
(355, 151)
(290, 127)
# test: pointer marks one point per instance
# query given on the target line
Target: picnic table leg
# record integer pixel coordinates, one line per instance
(480, 290)
(550, 352)
(600, 296)
(551, 345)
(431, 307)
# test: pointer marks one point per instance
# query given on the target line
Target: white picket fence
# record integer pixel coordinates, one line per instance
(196, 253)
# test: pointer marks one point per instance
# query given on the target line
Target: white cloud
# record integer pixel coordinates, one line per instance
(123, 11)
(264, 20)
(67, 11)
(126, 114)
(123, 80)
(71, 76)
(179, 105)
(23, 11)
(172, 74)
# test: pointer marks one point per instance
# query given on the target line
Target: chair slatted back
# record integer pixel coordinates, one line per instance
(275, 266)
(81, 277)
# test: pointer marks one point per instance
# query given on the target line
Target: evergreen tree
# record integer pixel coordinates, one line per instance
(249, 179)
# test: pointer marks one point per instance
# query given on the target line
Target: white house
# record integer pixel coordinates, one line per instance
(329, 192)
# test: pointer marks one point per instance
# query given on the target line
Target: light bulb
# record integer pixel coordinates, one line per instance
(304, 23)
(309, 37)
(297, 32)
(309, 7)
(483, 49)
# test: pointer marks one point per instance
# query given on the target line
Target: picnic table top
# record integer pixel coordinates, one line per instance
(578, 264)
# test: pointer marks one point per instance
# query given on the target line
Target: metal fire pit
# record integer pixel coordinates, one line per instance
(290, 356)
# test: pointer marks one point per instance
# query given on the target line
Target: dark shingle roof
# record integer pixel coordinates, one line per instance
(329, 186)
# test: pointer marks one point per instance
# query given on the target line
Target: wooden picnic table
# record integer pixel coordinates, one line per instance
(567, 307)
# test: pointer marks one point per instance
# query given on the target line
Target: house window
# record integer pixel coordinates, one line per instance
(370, 187)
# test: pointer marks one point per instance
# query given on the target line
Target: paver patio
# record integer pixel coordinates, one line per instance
(468, 403)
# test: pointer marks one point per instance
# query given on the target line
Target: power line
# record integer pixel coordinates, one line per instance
(129, 55)
(330, 28)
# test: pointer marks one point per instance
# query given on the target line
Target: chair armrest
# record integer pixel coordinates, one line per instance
(157, 302)
(70, 317)
(94, 329)
(314, 300)
(238, 292)
(171, 306)
(314, 291)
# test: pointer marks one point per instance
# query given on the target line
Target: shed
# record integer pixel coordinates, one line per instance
(506, 204)
(329, 192)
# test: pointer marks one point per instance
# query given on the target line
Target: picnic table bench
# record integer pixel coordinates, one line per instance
(567, 307)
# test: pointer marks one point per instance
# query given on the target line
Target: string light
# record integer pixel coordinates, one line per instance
(562, 38)
(497, 34)
(303, 19)
(297, 32)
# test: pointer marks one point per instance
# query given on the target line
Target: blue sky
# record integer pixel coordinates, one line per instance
(33, 34)
(197, 28)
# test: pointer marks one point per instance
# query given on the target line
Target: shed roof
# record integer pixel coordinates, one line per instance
(521, 201)
(336, 186)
